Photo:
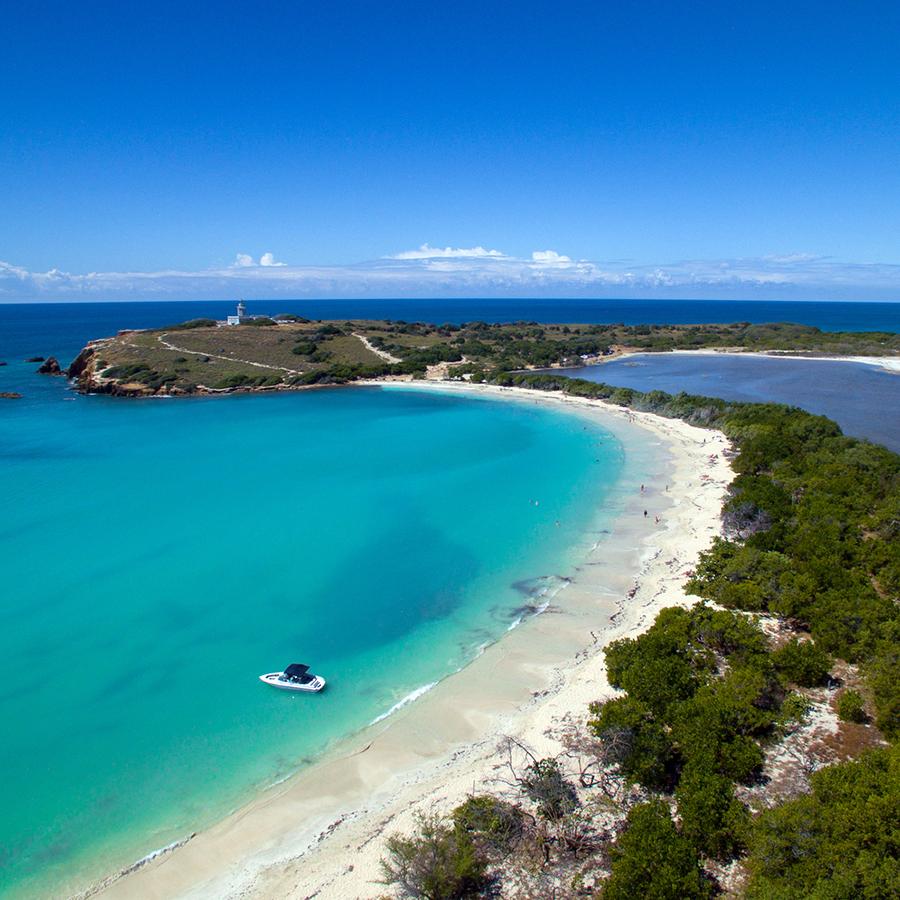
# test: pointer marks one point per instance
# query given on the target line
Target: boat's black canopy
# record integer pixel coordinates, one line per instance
(296, 670)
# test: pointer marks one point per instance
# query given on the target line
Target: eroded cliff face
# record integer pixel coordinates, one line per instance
(83, 371)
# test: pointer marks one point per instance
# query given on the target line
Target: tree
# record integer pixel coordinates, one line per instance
(545, 784)
(653, 861)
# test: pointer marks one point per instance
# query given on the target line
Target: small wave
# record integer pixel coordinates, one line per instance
(158, 852)
(104, 883)
(529, 613)
(409, 698)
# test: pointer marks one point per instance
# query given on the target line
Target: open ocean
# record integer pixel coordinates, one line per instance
(156, 556)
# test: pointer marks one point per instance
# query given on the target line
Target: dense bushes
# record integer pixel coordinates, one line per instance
(187, 326)
(841, 840)
(653, 860)
(815, 524)
(712, 819)
(495, 825)
(242, 379)
(702, 690)
(140, 373)
(802, 663)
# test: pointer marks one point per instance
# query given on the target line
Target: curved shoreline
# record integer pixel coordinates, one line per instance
(294, 840)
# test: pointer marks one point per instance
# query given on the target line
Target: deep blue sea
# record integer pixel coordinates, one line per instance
(156, 556)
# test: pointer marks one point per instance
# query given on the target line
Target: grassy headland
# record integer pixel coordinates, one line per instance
(288, 352)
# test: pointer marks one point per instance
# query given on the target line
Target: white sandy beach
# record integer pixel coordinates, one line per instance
(890, 363)
(321, 832)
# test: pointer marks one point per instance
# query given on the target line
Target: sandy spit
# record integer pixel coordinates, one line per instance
(891, 363)
(321, 832)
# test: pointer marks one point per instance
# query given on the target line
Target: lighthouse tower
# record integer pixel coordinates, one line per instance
(241, 315)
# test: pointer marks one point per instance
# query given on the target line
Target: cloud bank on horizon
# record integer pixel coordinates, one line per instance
(473, 272)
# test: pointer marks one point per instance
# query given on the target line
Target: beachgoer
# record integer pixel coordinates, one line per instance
(645, 513)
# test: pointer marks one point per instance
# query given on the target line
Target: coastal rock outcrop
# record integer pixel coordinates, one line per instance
(50, 367)
(35, 359)
(10, 395)
(83, 371)
(82, 364)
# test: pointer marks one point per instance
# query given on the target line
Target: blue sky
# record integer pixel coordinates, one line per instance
(639, 149)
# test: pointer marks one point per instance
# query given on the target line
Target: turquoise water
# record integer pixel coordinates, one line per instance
(156, 556)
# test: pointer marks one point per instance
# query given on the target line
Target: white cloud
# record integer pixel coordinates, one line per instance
(427, 252)
(268, 260)
(550, 257)
(475, 272)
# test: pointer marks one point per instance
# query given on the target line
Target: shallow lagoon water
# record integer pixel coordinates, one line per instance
(863, 399)
(158, 555)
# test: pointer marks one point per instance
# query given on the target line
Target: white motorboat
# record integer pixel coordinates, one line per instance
(295, 677)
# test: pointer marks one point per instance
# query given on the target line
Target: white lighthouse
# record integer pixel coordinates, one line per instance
(241, 315)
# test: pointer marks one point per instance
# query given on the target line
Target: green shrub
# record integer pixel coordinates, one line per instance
(802, 663)
(794, 710)
(653, 861)
(634, 741)
(495, 824)
(437, 863)
(545, 785)
(187, 326)
(717, 728)
(712, 818)
(851, 707)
